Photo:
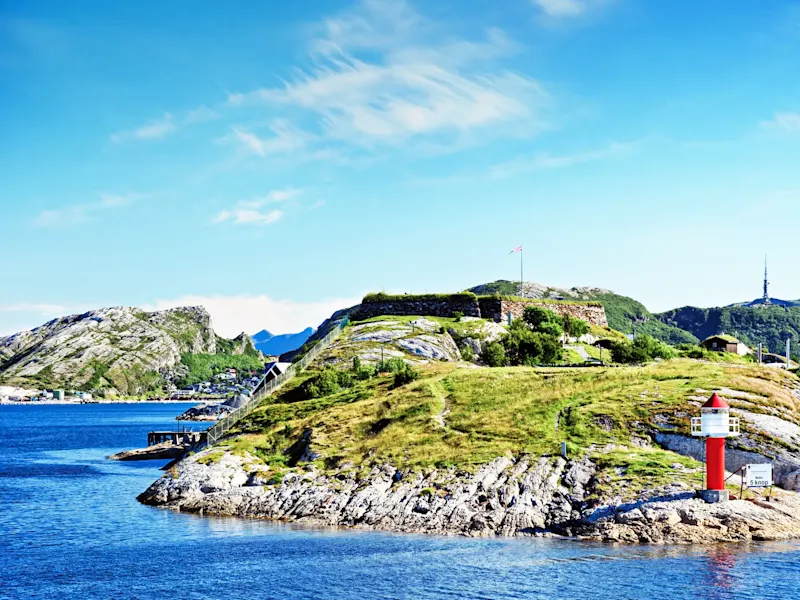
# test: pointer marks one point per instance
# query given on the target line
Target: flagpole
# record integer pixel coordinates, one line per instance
(521, 278)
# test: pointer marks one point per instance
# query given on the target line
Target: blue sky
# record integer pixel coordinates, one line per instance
(276, 160)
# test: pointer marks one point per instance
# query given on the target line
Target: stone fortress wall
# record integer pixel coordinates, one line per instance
(495, 308)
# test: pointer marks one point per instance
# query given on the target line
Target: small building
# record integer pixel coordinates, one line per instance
(58, 395)
(272, 370)
(725, 343)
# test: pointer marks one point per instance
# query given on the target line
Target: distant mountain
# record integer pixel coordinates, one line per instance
(275, 345)
(772, 302)
(119, 349)
(753, 323)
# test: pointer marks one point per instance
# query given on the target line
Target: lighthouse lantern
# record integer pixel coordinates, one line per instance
(715, 424)
(715, 420)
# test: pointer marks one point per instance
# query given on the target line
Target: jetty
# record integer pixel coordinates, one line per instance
(163, 445)
(177, 438)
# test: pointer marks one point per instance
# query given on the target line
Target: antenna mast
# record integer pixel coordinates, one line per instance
(766, 282)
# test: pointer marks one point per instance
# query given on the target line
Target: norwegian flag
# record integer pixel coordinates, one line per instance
(517, 249)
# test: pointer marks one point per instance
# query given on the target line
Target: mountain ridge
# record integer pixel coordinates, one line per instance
(271, 344)
(122, 350)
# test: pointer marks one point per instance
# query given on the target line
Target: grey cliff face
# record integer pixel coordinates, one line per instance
(114, 343)
(506, 497)
(503, 497)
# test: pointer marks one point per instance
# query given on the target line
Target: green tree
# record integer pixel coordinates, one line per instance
(406, 375)
(494, 354)
(575, 327)
(643, 349)
(524, 346)
(543, 320)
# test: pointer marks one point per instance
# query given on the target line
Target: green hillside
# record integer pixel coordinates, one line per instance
(772, 325)
(466, 417)
(624, 314)
(628, 315)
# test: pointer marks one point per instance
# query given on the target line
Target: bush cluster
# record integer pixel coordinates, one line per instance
(330, 381)
(534, 339)
(405, 375)
(643, 349)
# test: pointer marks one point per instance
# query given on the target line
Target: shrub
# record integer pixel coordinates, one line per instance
(494, 355)
(643, 349)
(406, 375)
(324, 383)
(458, 315)
(467, 353)
(525, 347)
(393, 365)
(575, 327)
(362, 372)
(543, 321)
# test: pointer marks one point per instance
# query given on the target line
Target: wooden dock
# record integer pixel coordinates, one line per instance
(177, 438)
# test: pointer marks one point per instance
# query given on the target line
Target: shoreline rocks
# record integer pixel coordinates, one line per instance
(159, 451)
(524, 496)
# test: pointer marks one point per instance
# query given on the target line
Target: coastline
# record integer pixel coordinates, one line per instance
(522, 496)
(106, 401)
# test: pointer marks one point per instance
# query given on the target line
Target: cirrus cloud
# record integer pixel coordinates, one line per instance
(783, 122)
(255, 211)
(382, 74)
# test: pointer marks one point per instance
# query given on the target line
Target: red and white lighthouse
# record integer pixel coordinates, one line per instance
(715, 424)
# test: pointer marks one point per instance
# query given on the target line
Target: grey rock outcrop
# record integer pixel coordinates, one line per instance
(417, 341)
(506, 497)
(112, 347)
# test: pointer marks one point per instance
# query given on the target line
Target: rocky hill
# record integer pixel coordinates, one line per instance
(123, 350)
(475, 451)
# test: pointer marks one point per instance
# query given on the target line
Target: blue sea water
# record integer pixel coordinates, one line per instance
(70, 527)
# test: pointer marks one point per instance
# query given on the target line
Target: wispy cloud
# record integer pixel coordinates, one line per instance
(35, 308)
(258, 211)
(544, 160)
(24, 316)
(280, 138)
(783, 123)
(81, 213)
(566, 9)
(166, 125)
(383, 74)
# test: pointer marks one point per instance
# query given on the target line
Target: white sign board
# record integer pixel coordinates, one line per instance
(758, 476)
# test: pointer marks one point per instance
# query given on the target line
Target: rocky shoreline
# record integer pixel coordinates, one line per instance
(510, 496)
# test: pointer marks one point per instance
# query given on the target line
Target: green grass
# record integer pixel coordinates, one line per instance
(570, 356)
(493, 412)
(644, 467)
(381, 297)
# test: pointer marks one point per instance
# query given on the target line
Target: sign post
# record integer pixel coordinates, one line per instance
(759, 476)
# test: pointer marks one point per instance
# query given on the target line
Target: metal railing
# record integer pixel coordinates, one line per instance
(230, 420)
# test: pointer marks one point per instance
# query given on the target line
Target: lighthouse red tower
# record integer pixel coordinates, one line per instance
(715, 424)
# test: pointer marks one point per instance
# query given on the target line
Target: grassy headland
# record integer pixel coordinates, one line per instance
(464, 417)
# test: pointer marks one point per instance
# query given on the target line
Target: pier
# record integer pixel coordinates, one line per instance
(177, 438)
